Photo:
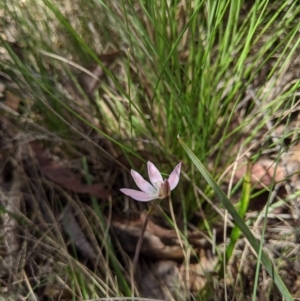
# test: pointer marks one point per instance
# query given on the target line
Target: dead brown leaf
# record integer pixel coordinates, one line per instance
(166, 279)
(263, 173)
(75, 231)
(161, 281)
(200, 271)
(12, 100)
(65, 177)
(90, 84)
(292, 161)
(158, 242)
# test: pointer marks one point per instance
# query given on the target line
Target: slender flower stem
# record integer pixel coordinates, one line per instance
(141, 238)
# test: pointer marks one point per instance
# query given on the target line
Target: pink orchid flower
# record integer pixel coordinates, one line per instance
(158, 190)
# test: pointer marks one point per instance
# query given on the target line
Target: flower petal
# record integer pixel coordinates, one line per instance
(154, 174)
(142, 184)
(139, 195)
(174, 176)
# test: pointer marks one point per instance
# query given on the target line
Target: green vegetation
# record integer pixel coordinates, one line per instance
(113, 83)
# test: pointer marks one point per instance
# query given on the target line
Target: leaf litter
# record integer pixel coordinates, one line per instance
(65, 177)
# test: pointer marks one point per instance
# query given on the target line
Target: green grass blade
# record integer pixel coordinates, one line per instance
(235, 233)
(239, 223)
